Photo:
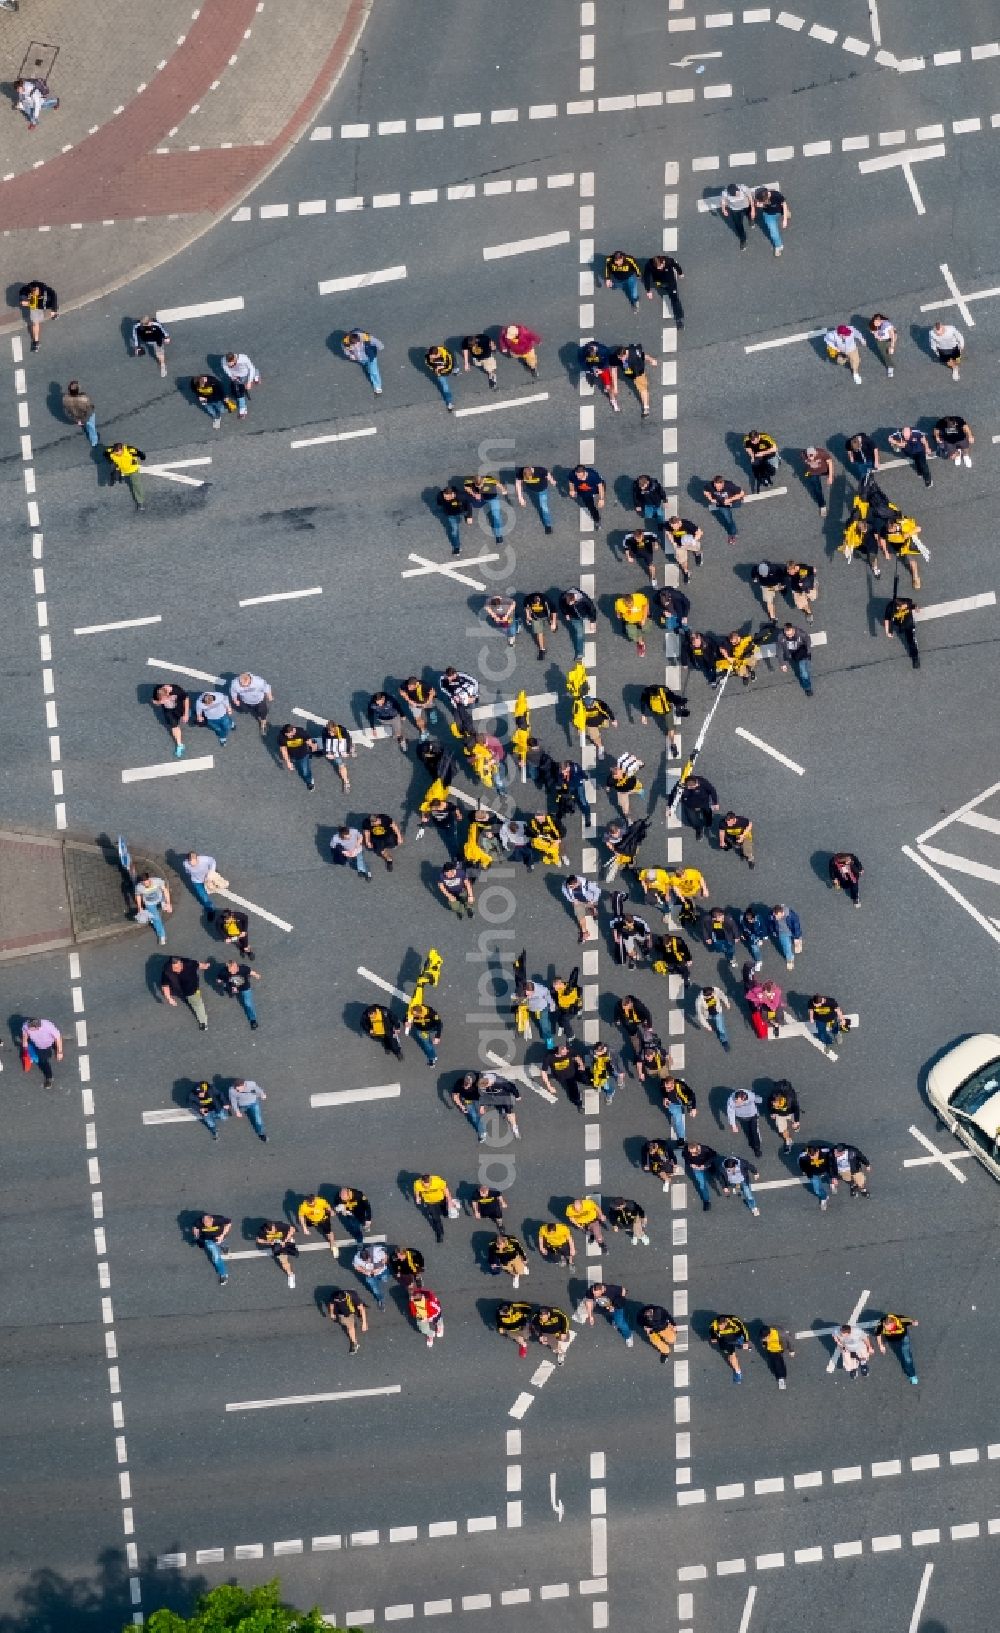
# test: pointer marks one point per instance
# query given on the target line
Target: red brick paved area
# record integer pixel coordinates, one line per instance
(116, 174)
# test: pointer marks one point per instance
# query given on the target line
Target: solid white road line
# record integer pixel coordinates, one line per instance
(768, 493)
(956, 816)
(523, 1074)
(524, 246)
(348, 1097)
(832, 1364)
(937, 1155)
(787, 340)
(876, 29)
(918, 1607)
(280, 595)
(172, 469)
(957, 295)
(123, 623)
(176, 1114)
(775, 754)
(206, 309)
(984, 923)
(169, 768)
(901, 156)
(362, 280)
(491, 711)
(975, 819)
(195, 674)
(309, 1400)
(335, 436)
(386, 986)
(251, 907)
(945, 609)
(747, 1609)
(962, 864)
(508, 402)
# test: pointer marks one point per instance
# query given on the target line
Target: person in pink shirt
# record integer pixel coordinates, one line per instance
(39, 1041)
(517, 341)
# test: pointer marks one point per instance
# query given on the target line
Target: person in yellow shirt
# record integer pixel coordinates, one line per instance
(125, 460)
(584, 1214)
(555, 1241)
(655, 883)
(688, 885)
(633, 610)
(316, 1213)
(433, 1198)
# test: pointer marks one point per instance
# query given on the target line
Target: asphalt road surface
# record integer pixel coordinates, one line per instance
(407, 1483)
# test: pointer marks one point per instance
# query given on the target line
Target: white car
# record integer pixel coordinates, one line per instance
(964, 1089)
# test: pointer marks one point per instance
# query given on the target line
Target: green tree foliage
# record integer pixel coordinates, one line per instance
(231, 1609)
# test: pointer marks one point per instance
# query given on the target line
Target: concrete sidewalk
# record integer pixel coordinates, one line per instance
(157, 138)
(59, 892)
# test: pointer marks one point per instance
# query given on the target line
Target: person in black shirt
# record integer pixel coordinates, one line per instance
(796, 652)
(445, 818)
(621, 270)
(455, 510)
(672, 608)
(862, 455)
(235, 926)
(381, 835)
(649, 500)
(698, 800)
(296, 749)
(578, 610)
(207, 1107)
(379, 1024)
(844, 870)
(176, 706)
(770, 578)
(954, 438)
(539, 615)
(722, 497)
(599, 367)
(761, 451)
(801, 581)
(210, 1232)
(480, 351)
(179, 979)
(538, 481)
(772, 208)
(660, 275)
(587, 485)
(631, 362)
(150, 336)
(385, 714)
(39, 301)
(441, 363)
(489, 1204)
(210, 394)
(702, 652)
(912, 443)
(898, 620)
(235, 983)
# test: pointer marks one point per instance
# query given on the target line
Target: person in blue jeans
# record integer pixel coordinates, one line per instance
(817, 1169)
(456, 512)
(578, 610)
(773, 214)
(425, 1026)
(78, 407)
(755, 927)
(795, 649)
(214, 710)
(649, 500)
(786, 928)
(895, 1330)
(609, 1298)
(828, 1018)
(734, 1175)
(210, 1233)
(210, 394)
(483, 493)
(206, 1107)
(708, 1011)
(701, 1161)
(538, 481)
(465, 1095)
(441, 363)
(152, 897)
(371, 1263)
(354, 1208)
(621, 271)
(295, 750)
(246, 1100)
(198, 869)
(348, 847)
(235, 983)
(678, 1102)
(362, 348)
(723, 497)
(540, 1004)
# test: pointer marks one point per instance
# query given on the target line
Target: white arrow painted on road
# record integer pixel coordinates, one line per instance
(171, 471)
(558, 1507)
(696, 56)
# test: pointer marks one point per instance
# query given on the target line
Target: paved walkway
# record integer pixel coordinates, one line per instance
(61, 892)
(171, 127)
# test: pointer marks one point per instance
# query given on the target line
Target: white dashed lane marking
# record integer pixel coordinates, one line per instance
(508, 116)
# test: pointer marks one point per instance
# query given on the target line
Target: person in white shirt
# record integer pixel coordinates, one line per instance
(737, 205)
(708, 1012)
(844, 345)
(244, 375)
(32, 97)
(212, 709)
(252, 692)
(947, 343)
(198, 868)
(855, 1350)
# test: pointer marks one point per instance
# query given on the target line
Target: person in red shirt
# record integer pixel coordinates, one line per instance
(517, 341)
(425, 1308)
